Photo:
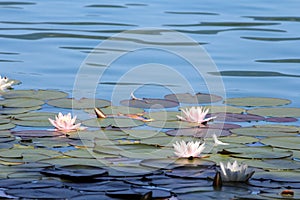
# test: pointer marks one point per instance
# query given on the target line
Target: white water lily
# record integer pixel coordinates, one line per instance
(195, 115)
(5, 83)
(235, 172)
(217, 141)
(189, 149)
(65, 123)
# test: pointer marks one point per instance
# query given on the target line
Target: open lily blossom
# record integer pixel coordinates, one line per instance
(5, 83)
(65, 123)
(235, 172)
(189, 149)
(195, 115)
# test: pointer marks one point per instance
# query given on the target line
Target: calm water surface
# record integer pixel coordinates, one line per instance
(255, 44)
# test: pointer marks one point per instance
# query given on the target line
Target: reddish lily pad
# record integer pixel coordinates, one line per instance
(148, 103)
(199, 98)
(236, 117)
(281, 119)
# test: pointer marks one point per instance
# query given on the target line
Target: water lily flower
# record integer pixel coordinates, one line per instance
(195, 115)
(217, 141)
(5, 83)
(187, 150)
(65, 123)
(235, 172)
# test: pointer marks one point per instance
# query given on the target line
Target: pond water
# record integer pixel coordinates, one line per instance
(47, 44)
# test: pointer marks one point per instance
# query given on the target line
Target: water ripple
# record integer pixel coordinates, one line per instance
(252, 74)
(271, 39)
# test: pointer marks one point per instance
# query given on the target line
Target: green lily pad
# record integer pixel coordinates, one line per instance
(21, 103)
(276, 112)
(7, 126)
(273, 164)
(19, 152)
(240, 139)
(112, 122)
(163, 115)
(43, 193)
(257, 152)
(37, 94)
(148, 103)
(143, 134)
(66, 161)
(83, 103)
(34, 119)
(115, 110)
(199, 98)
(37, 133)
(283, 142)
(15, 111)
(202, 132)
(99, 134)
(267, 130)
(149, 152)
(170, 163)
(256, 101)
(281, 176)
(165, 140)
(171, 124)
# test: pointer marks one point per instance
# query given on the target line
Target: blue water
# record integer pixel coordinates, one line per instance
(44, 43)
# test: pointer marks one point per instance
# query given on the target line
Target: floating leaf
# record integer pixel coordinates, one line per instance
(163, 115)
(83, 103)
(15, 111)
(283, 142)
(198, 132)
(99, 134)
(257, 152)
(276, 112)
(76, 172)
(37, 94)
(148, 103)
(7, 126)
(115, 110)
(172, 124)
(256, 101)
(236, 117)
(239, 139)
(43, 193)
(21, 103)
(143, 134)
(282, 176)
(112, 122)
(273, 164)
(267, 130)
(37, 133)
(202, 172)
(199, 98)
(165, 140)
(281, 119)
(65, 161)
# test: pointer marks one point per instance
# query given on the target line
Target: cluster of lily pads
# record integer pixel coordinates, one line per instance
(132, 152)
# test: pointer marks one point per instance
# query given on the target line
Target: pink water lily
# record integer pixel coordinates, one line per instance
(190, 149)
(65, 123)
(195, 115)
(5, 83)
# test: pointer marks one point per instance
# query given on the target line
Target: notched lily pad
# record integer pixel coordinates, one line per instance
(236, 117)
(256, 101)
(199, 98)
(283, 142)
(83, 103)
(37, 94)
(148, 103)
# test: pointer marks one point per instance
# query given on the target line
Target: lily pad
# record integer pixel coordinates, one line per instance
(83, 103)
(37, 94)
(236, 117)
(199, 98)
(43, 193)
(112, 122)
(257, 153)
(15, 111)
(198, 132)
(281, 119)
(171, 124)
(221, 109)
(163, 116)
(7, 126)
(195, 172)
(283, 142)
(148, 103)
(256, 101)
(240, 139)
(115, 110)
(276, 112)
(267, 130)
(273, 164)
(21, 103)
(76, 172)
(37, 133)
(281, 176)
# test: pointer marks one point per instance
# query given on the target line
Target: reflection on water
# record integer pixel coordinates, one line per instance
(245, 39)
